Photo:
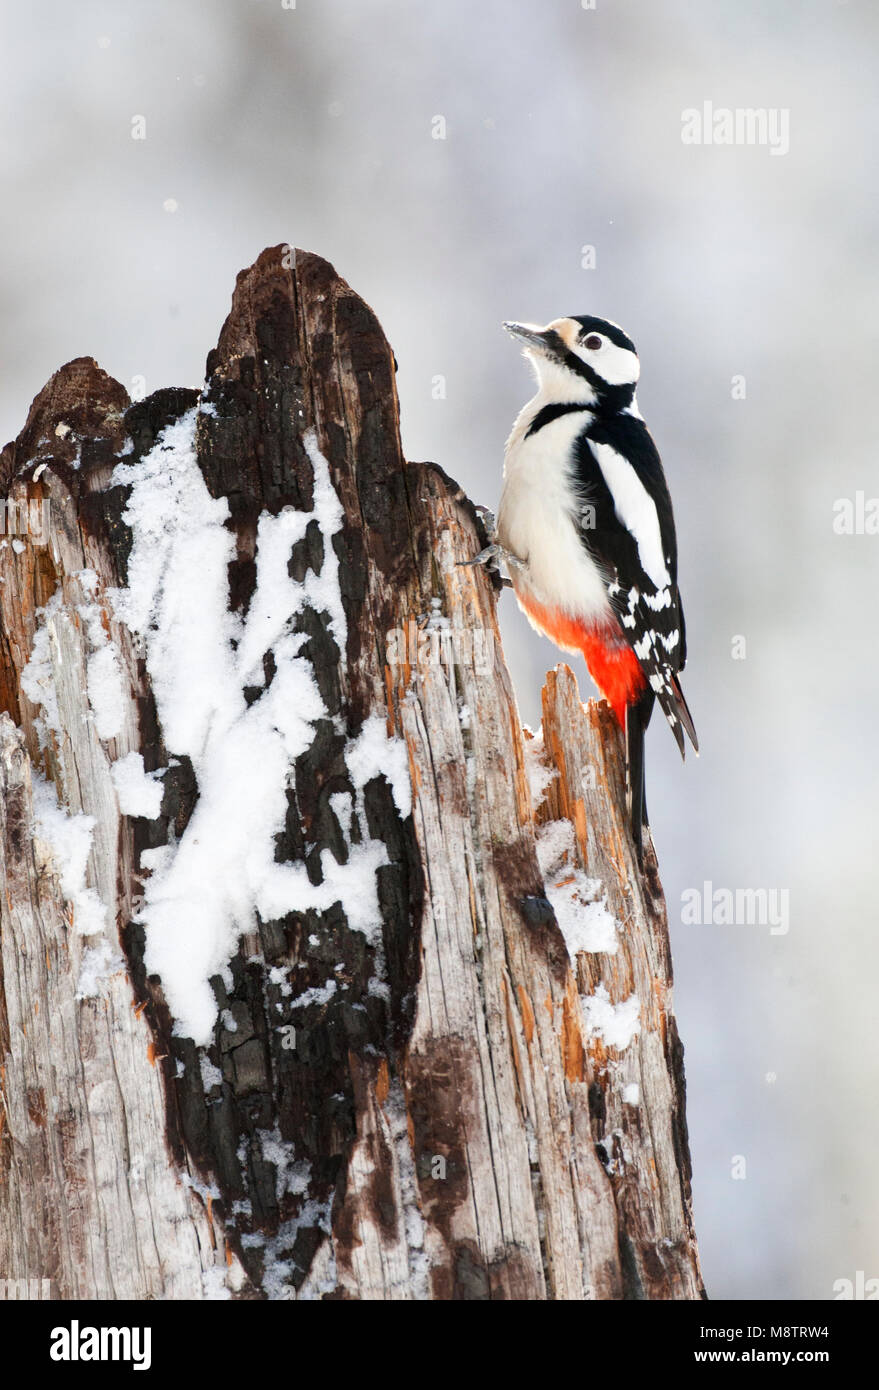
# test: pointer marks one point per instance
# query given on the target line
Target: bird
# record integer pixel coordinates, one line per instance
(586, 530)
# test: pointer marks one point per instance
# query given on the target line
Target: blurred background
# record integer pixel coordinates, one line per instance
(461, 164)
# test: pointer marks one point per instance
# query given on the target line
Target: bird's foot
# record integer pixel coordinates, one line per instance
(494, 552)
(488, 557)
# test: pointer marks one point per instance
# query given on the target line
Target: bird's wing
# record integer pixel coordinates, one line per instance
(627, 526)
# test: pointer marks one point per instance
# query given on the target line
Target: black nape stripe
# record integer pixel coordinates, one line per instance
(611, 399)
(548, 413)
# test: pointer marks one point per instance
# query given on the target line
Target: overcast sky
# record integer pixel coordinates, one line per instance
(563, 131)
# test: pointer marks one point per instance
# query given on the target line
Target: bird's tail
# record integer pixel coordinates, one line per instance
(637, 719)
(683, 713)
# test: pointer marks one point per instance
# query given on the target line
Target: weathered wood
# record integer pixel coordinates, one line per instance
(88, 1197)
(458, 1116)
(643, 1144)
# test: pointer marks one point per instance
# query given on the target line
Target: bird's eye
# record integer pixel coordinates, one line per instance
(593, 342)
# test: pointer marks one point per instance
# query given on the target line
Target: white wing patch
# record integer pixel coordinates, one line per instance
(648, 643)
(636, 509)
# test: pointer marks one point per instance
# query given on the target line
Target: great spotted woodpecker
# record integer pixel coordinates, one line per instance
(585, 526)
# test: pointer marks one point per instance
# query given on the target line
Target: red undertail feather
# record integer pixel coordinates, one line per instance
(612, 664)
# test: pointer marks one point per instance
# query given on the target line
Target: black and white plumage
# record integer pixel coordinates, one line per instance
(585, 521)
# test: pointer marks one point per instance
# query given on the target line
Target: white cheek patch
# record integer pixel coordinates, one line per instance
(615, 365)
(636, 510)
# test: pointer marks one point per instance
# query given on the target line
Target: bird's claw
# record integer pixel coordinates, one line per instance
(485, 557)
(494, 552)
(491, 556)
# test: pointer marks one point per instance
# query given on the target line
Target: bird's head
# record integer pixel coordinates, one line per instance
(581, 359)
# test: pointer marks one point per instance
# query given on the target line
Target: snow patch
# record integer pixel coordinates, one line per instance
(38, 678)
(140, 793)
(316, 995)
(213, 1281)
(555, 845)
(291, 1175)
(209, 888)
(105, 691)
(615, 1024)
(372, 753)
(584, 919)
(211, 1076)
(97, 965)
(278, 976)
(540, 775)
(104, 675)
(578, 901)
(70, 840)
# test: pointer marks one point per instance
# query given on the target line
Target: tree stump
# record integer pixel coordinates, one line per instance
(321, 978)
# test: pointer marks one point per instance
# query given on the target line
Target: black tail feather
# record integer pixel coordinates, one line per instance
(684, 714)
(637, 719)
(674, 707)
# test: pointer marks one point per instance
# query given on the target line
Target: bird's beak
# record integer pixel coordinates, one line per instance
(531, 335)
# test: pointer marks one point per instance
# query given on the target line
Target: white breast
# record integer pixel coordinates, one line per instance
(539, 517)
